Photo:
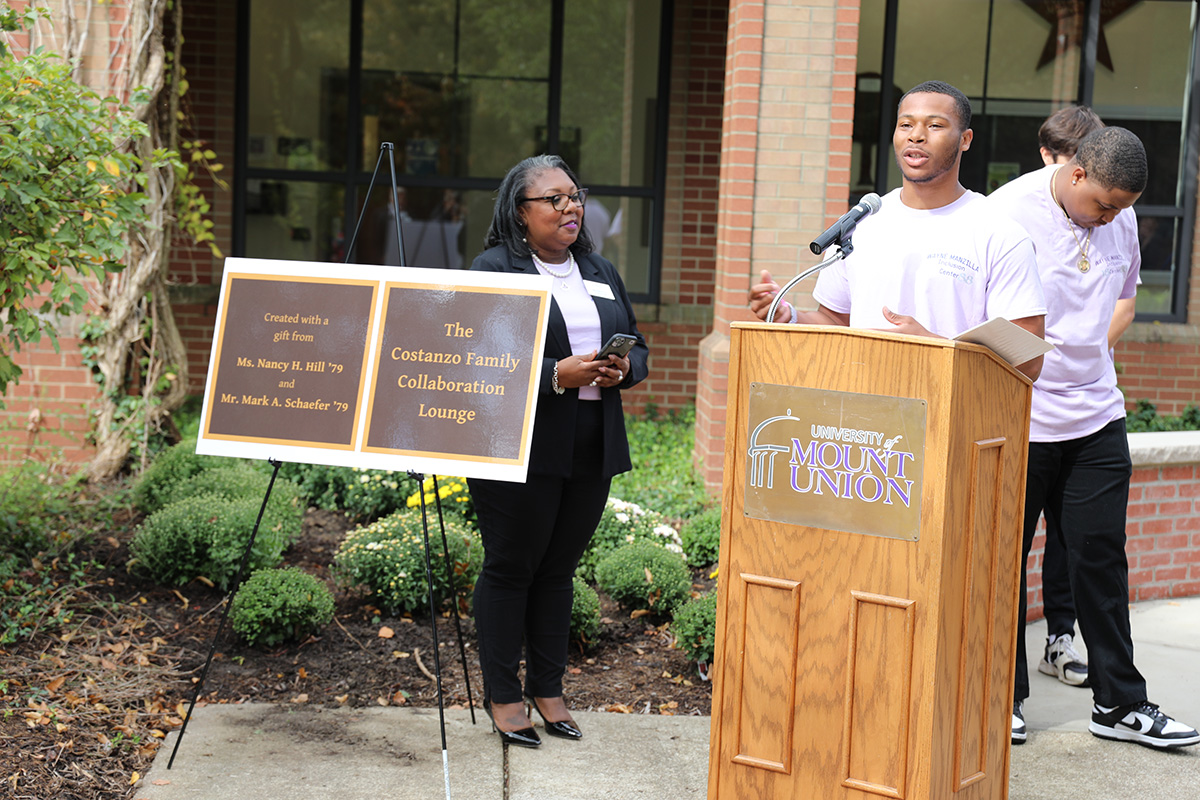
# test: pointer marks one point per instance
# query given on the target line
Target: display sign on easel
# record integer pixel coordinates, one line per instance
(406, 369)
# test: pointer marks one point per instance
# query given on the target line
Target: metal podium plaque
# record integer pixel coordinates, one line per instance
(835, 460)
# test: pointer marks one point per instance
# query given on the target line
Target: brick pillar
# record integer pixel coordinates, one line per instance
(785, 169)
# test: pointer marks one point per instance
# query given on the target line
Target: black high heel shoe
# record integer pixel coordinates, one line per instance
(563, 730)
(526, 737)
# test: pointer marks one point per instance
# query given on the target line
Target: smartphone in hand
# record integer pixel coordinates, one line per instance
(619, 344)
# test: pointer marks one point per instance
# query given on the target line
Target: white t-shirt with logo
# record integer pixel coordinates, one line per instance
(950, 268)
(1077, 392)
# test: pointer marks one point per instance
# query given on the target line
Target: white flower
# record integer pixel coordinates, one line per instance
(667, 532)
(629, 538)
(622, 516)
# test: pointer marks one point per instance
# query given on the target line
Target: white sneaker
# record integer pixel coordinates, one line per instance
(1018, 722)
(1063, 661)
(1142, 723)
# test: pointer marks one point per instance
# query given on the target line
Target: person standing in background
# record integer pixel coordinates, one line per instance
(534, 533)
(1079, 465)
(1058, 139)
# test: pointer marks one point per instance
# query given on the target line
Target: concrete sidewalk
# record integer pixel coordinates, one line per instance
(304, 753)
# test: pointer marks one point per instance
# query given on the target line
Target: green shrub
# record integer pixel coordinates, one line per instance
(585, 612)
(663, 477)
(623, 523)
(35, 505)
(371, 493)
(205, 535)
(323, 486)
(388, 558)
(239, 479)
(364, 494)
(645, 575)
(172, 468)
(701, 536)
(280, 605)
(695, 627)
(1145, 418)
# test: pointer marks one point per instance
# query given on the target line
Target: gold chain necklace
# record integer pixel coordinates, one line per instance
(1083, 264)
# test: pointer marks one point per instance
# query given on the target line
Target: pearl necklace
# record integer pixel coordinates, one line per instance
(562, 276)
(1083, 264)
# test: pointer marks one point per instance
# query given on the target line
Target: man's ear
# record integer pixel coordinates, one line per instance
(967, 136)
(1048, 158)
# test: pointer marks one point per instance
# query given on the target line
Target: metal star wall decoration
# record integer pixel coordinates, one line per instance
(1066, 18)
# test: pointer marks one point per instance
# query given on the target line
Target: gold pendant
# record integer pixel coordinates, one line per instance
(1084, 265)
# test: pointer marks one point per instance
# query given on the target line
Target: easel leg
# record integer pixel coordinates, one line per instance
(228, 601)
(462, 650)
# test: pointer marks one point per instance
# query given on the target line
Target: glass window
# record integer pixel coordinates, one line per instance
(610, 91)
(295, 116)
(463, 90)
(296, 220)
(1020, 61)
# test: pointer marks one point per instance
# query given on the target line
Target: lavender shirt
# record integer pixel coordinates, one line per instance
(1077, 392)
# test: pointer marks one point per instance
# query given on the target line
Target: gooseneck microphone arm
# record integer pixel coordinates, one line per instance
(838, 254)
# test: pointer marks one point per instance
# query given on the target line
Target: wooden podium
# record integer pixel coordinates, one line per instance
(870, 547)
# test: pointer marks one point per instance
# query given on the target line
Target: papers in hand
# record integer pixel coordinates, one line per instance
(1011, 342)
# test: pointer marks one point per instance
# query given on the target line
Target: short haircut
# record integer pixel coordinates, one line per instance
(507, 227)
(941, 87)
(1062, 131)
(1115, 158)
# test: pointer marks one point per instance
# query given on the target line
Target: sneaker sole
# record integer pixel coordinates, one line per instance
(1047, 668)
(1118, 735)
(1018, 738)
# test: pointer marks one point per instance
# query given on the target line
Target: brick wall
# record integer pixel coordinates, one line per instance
(46, 417)
(674, 328)
(1162, 530)
(1160, 363)
(785, 158)
(210, 61)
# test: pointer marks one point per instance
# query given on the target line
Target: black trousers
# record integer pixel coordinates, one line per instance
(1057, 603)
(1082, 486)
(533, 537)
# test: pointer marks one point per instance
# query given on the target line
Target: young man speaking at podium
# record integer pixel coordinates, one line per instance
(935, 260)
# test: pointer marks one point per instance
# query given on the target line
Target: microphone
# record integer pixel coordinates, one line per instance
(841, 230)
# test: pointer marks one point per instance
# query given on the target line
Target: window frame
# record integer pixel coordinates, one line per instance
(355, 181)
(1190, 155)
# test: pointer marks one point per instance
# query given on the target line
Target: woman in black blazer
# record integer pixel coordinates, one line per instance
(534, 533)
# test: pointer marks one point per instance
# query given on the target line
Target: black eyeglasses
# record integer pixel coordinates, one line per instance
(560, 201)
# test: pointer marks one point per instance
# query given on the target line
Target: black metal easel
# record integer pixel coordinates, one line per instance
(228, 601)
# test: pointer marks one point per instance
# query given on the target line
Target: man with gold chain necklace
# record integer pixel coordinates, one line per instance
(1079, 464)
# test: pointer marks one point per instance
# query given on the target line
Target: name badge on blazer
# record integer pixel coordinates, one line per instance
(598, 289)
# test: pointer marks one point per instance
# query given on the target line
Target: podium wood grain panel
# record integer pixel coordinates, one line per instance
(978, 625)
(875, 736)
(769, 626)
(902, 663)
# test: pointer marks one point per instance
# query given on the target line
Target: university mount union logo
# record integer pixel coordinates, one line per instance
(835, 462)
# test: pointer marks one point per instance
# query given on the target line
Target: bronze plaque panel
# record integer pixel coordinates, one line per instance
(293, 373)
(453, 373)
(840, 461)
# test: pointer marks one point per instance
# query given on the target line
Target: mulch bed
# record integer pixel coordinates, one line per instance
(83, 712)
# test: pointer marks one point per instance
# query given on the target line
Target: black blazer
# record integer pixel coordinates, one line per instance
(554, 425)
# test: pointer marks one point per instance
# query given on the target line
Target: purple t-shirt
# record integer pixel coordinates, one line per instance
(1077, 392)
